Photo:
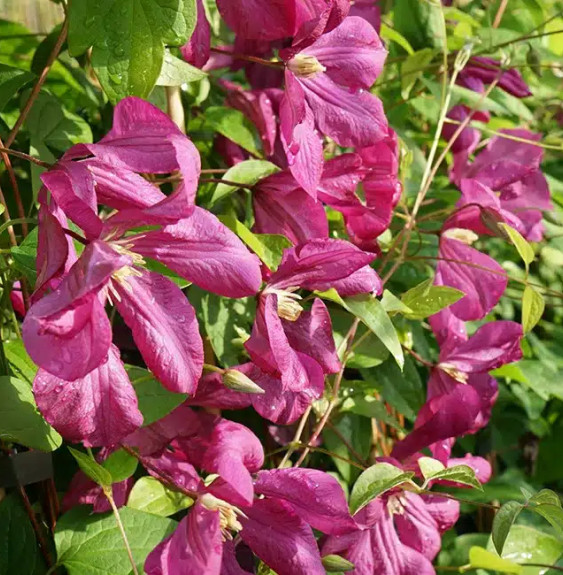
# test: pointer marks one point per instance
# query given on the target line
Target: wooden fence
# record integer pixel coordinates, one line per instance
(37, 15)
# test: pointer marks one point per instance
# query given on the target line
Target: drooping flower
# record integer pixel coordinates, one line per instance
(198, 48)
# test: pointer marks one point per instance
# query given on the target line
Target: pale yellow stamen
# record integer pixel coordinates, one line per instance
(461, 235)
(454, 372)
(228, 514)
(396, 504)
(304, 66)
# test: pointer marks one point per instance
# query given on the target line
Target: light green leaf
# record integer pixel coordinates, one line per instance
(392, 304)
(268, 247)
(524, 248)
(20, 419)
(91, 544)
(421, 22)
(374, 481)
(247, 173)
(545, 496)
(391, 35)
(533, 306)
(121, 465)
(176, 72)
(11, 80)
(336, 564)
(20, 554)
(480, 558)
(154, 400)
(502, 523)
(426, 299)
(413, 67)
(25, 254)
(151, 496)
(552, 513)
(128, 39)
(92, 468)
(20, 363)
(233, 125)
(372, 313)
(432, 470)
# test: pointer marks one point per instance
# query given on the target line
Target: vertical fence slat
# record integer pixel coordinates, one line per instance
(37, 15)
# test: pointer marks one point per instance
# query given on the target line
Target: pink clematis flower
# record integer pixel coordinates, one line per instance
(461, 374)
(67, 332)
(277, 527)
(327, 85)
(370, 10)
(511, 169)
(198, 48)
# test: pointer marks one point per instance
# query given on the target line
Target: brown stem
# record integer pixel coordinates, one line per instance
(554, 567)
(419, 358)
(21, 155)
(15, 188)
(38, 85)
(76, 236)
(7, 218)
(254, 59)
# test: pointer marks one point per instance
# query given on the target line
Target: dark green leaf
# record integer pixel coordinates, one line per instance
(421, 22)
(25, 254)
(121, 465)
(20, 420)
(128, 39)
(552, 513)
(502, 523)
(92, 544)
(374, 481)
(92, 468)
(11, 80)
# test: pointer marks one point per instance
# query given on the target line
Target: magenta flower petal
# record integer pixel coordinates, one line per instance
(67, 332)
(165, 329)
(318, 263)
(481, 467)
(278, 536)
(172, 464)
(195, 548)
(204, 251)
(368, 10)
(441, 418)
(99, 409)
(211, 391)
(230, 565)
(492, 345)
(311, 334)
(197, 50)
(365, 280)
(314, 495)
(83, 491)
(477, 275)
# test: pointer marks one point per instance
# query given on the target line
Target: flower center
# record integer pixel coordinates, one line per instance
(228, 514)
(454, 372)
(304, 66)
(396, 504)
(461, 235)
(122, 275)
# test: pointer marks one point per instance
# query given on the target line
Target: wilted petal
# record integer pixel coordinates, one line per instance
(281, 539)
(314, 495)
(204, 251)
(477, 275)
(195, 548)
(318, 264)
(99, 410)
(165, 329)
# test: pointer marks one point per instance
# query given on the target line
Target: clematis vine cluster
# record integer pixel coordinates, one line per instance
(127, 240)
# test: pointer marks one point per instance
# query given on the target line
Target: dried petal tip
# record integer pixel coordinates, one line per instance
(237, 381)
(288, 306)
(454, 372)
(304, 66)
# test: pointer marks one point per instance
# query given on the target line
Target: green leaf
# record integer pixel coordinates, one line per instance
(92, 544)
(92, 468)
(20, 420)
(121, 465)
(369, 406)
(552, 513)
(336, 564)
(154, 400)
(502, 523)
(524, 248)
(149, 495)
(176, 72)
(426, 299)
(374, 481)
(25, 254)
(233, 125)
(392, 304)
(268, 247)
(533, 306)
(247, 173)
(480, 558)
(413, 67)
(20, 363)
(20, 553)
(391, 35)
(11, 80)
(372, 313)
(128, 39)
(545, 496)
(421, 22)
(432, 469)
(227, 322)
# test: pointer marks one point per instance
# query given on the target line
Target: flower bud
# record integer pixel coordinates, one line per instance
(336, 564)
(462, 235)
(305, 66)
(237, 381)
